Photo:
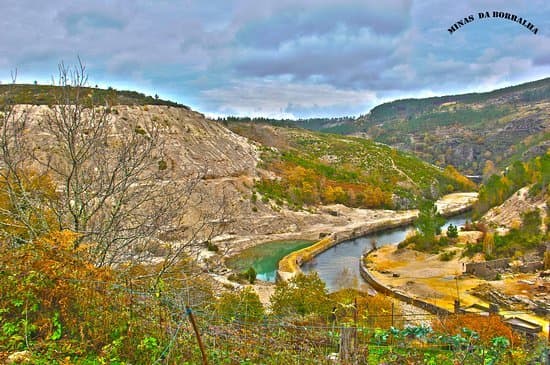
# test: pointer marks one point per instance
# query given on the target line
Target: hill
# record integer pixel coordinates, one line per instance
(49, 95)
(100, 266)
(467, 131)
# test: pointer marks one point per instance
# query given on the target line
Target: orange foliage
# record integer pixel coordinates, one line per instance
(24, 204)
(304, 185)
(53, 279)
(488, 327)
(464, 182)
(372, 311)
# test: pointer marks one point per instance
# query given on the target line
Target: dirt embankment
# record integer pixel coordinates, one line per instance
(456, 203)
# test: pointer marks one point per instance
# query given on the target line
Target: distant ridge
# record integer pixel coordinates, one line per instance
(45, 95)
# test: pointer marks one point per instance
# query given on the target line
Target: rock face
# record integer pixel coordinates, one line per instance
(227, 165)
(20, 357)
(192, 143)
(509, 213)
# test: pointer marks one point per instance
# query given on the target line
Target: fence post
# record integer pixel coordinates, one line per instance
(392, 318)
(347, 345)
(197, 334)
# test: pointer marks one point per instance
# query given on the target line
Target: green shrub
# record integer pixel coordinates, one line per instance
(250, 275)
(162, 165)
(452, 231)
(243, 305)
(302, 295)
(212, 246)
(447, 255)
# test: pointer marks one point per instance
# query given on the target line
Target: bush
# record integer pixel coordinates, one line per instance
(245, 276)
(447, 255)
(302, 295)
(162, 165)
(250, 275)
(212, 246)
(452, 231)
(242, 305)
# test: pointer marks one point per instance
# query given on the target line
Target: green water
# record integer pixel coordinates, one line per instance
(265, 258)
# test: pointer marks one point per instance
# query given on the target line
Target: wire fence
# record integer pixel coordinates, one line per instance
(367, 337)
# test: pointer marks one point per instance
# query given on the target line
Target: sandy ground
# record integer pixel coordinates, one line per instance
(264, 291)
(426, 277)
(451, 203)
(423, 275)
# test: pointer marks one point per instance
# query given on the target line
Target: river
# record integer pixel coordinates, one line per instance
(339, 266)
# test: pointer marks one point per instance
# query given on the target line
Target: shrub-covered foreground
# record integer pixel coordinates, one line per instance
(61, 309)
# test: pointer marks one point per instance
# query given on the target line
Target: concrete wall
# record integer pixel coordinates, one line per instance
(289, 266)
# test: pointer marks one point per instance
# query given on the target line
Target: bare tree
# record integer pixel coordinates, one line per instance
(112, 183)
(21, 188)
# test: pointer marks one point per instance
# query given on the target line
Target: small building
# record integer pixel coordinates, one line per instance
(523, 326)
(488, 269)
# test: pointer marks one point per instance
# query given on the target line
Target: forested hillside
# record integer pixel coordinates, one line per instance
(318, 168)
(470, 131)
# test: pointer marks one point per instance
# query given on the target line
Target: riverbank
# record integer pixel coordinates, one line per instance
(290, 264)
(450, 204)
(424, 280)
(453, 204)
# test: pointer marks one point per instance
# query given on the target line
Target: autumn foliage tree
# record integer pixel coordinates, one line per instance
(499, 187)
(49, 291)
(303, 294)
(305, 186)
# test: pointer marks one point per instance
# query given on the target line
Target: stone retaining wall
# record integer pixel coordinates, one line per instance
(487, 269)
(378, 286)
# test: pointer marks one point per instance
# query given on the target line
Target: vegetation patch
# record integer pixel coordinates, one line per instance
(315, 168)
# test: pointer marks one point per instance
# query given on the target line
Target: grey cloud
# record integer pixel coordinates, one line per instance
(297, 22)
(80, 22)
(326, 55)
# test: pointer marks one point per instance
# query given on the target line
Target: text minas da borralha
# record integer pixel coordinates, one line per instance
(494, 14)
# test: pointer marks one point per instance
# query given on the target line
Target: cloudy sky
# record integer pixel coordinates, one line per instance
(278, 58)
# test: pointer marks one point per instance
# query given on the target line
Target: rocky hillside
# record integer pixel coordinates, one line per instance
(509, 213)
(50, 95)
(227, 168)
(467, 130)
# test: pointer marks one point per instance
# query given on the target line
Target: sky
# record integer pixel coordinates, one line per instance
(278, 58)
